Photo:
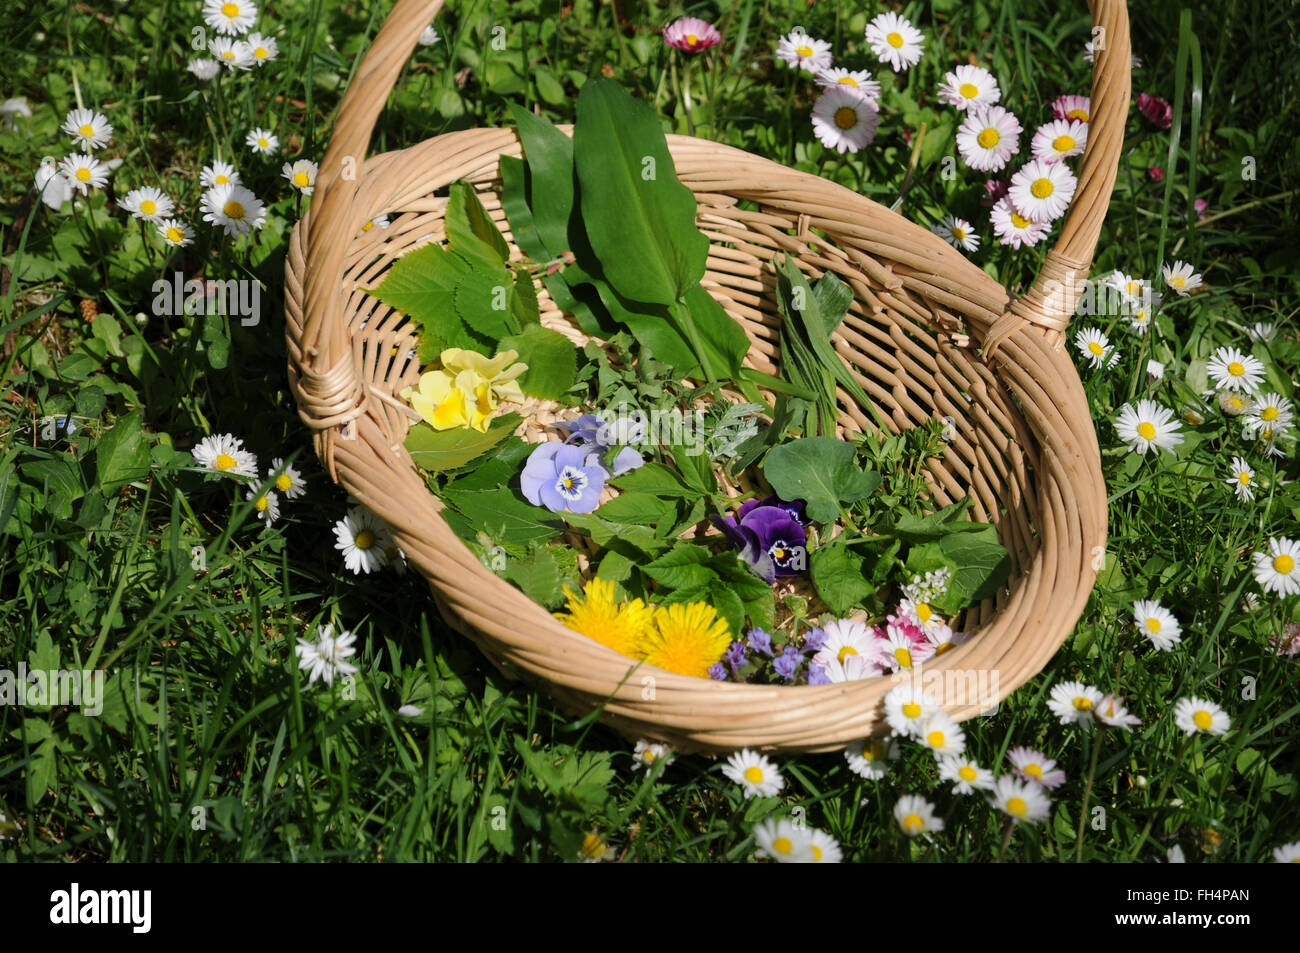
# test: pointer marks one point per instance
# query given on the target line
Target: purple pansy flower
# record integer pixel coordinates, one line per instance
(760, 641)
(770, 536)
(788, 663)
(598, 436)
(562, 477)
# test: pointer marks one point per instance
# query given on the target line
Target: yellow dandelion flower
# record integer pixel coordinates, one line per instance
(597, 615)
(686, 639)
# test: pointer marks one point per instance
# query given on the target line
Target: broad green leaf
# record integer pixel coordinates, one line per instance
(643, 509)
(549, 154)
(821, 471)
(524, 304)
(720, 336)
(551, 358)
(639, 217)
(470, 229)
(483, 301)
(655, 478)
(633, 541)
(920, 529)
(503, 515)
(683, 567)
(538, 575)
(439, 450)
(122, 454)
(837, 572)
(42, 769)
(421, 285)
(983, 564)
(504, 465)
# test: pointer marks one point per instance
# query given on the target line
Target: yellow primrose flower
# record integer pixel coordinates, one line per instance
(499, 371)
(439, 401)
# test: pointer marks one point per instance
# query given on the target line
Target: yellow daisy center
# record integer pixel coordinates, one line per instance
(968, 90)
(904, 657)
(1019, 221)
(1268, 413)
(87, 130)
(1017, 806)
(261, 53)
(845, 652)
(1236, 369)
(1133, 287)
(83, 174)
(846, 117)
(221, 180)
(817, 854)
(300, 179)
(804, 50)
(692, 39)
(966, 773)
(988, 138)
(1083, 703)
(1244, 478)
(175, 235)
(1063, 143)
(1042, 188)
(912, 709)
(365, 539)
(1177, 281)
(261, 504)
(148, 206)
(754, 774)
(230, 9)
(1034, 770)
(648, 755)
(1146, 430)
(1283, 564)
(847, 81)
(592, 846)
(867, 753)
(958, 233)
(783, 845)
(368, 226)
(935, 738)
(1079, 114)
(283, 482)
(913, 823)
(1236, 403)
(1096, 348)
(1153, 624)
(895, 40)
(228, 55)
(262, 142)
(224, 461)
(1203, 720)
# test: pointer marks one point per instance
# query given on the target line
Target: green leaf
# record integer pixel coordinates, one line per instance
(504, 516)
(982, 562)
(549, 154)
(551, 358)
(524, 304)
(643, 509)
(470, 230)
(920, 529)
(483, 301)
(633, 541)
(548, 87)
(723, 340)
(439, 450)
(122, 454)
(538, 575)
(498, 470)
(838, 575)
(655, 478)
(42, 770)
(683, 567)
(421, 285)
(639, 217)
(730, 607)
(821, 471)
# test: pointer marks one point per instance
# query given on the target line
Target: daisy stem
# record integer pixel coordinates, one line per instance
(1006, 839)
(686, 95)
(1087, 792)
(1160, 797)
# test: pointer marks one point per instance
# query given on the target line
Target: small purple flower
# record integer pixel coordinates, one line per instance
(718, 672)
(813, 640)
(736, 656)
(562, 477)
(760, 641)
(770, 536)
(817, 675)
(788, 663)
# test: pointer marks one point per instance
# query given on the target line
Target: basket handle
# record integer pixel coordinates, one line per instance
(1050, 301)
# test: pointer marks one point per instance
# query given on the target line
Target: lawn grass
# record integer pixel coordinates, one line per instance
(212, 746)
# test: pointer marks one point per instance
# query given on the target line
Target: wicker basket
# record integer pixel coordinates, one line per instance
(929, 335)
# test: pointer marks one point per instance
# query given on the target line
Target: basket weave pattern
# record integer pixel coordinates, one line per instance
(929, 335)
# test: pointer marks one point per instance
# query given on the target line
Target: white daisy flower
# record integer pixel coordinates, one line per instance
(325, 658)
(267, 505)
(379, 221)
(175, 232)
(895, 41)
(844, 120)
(232, 17)
(1072, 107)
(908, 708)
(301, 175)
(1234, 404)
(1155, 370)
(1014, 229)
(1267, 412)
(1242, 479)
(1277, 570)
(1139, 313)
(233, 208)
(1093, 345)
(915, 815)
(1073, 702)
(219, 173)
(870, 757)
(83, 172)
(1059, 140)
(783, 842)
(1157, 623)
(1262, 331)
(1193, 715)
(224, 455)
(845, 638)
(920, 614)
(944, 639)
(1235, 370)
(363, 539)
(232, 54)
(1035, 766)
(1111, 711)
(825, 849)
(150, 204)
(957, 232)
(396, 558)
(429, 36)
(965, 774)
(988, 138)
(54, 187)
(852, 669)
(1130, 287)
(289, 483)
(262, 49)
(969, 87)
(1287, 853)
(648, 753)
(755, 773)
(1042, 191)
(1181, 277)
(262, 141)
(856, 81)
(798, 50)
(88, 129)
(903, 652)
(204, 69)
(1148, 425)
(1192, 418)
(1022, 800)
(942, 735)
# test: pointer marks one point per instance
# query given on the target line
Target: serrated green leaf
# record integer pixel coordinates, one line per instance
(551, 358)
(837, 573)
(683, 567)
(538, 576)
(643, 509)
(122, 455)
(439, 450)
(503, 515)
